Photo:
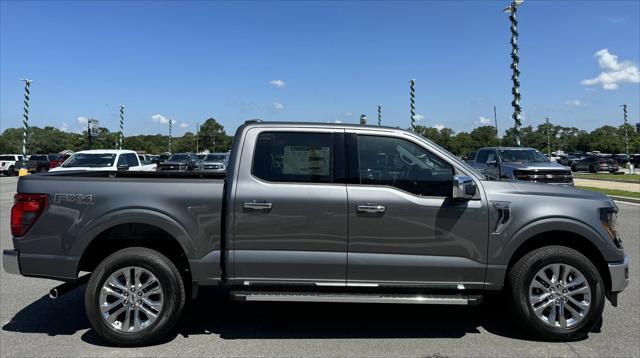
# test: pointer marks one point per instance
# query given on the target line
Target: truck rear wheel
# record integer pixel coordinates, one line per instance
(134, 297)
(557, 293)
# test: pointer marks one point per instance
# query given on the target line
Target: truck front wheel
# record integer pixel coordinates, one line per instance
(134, 297)
(557, 293)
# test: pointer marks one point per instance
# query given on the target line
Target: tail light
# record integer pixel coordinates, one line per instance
(25, 211)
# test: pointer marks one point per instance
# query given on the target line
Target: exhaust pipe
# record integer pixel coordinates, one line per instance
(60, 290)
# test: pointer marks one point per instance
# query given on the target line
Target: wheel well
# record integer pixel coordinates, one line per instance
(132, 235)
(568, 239)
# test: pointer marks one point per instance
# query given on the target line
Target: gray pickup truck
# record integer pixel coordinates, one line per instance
(521, 163)
(319, 213)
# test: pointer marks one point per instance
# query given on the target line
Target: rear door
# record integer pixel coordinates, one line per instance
(404, 229)
(290, 208)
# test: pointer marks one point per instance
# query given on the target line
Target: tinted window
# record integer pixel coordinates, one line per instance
(293, 157)
(38, 157)
(215, 158)
(7, 157)
(401, 164)
(89, 160)
(132, 159)
(522, 156)
(178, 157)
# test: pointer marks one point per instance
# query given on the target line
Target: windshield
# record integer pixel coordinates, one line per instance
(38, 157)
(215, 158)
(90, 160)
(522, 156)
(178, 157)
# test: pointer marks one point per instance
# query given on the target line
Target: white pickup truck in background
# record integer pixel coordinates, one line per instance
(104, 159)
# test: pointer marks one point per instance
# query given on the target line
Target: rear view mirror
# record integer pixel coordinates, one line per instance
(464, 188)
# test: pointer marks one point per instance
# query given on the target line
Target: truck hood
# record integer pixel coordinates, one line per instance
(66, 169)
(552, 191)
(534, 166)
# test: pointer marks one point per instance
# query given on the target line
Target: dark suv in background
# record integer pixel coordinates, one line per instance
(180, 162)
(596, 164)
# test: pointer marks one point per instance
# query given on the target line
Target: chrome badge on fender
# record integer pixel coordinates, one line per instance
(86, 199)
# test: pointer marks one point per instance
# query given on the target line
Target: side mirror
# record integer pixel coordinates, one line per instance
(121, 167)
(464, 188)
(492, 163)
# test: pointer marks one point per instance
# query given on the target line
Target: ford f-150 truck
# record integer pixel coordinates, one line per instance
(319, 212)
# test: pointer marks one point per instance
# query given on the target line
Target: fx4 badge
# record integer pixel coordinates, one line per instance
(86, 199)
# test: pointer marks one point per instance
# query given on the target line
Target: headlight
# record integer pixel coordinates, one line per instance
(609, 219)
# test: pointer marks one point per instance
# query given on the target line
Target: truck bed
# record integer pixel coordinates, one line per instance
(85, 205)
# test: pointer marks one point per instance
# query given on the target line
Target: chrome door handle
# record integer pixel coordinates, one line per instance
(372, 209)
(255, 205)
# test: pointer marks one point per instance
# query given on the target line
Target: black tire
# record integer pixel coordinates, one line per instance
(592, 169)
(10, 172)
(168, 276)
(573, 168)
(521, 275)
(43, 169)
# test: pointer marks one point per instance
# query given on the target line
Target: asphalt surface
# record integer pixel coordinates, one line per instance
(33, 325)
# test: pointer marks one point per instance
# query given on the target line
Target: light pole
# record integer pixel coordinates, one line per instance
(197, 130)
(379, 115)
(548, 136)
(121, 134)
(626, 137)
(170, 125)
(515, 60)
(25, 119)
(412, 103)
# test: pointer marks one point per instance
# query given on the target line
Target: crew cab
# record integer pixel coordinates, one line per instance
(319, 213)
(8, 163)
(521, 163)
(40, 163)
(104, 159)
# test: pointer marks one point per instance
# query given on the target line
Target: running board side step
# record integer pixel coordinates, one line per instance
(424, 299)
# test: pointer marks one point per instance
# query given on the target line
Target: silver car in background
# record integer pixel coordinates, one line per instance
(215, 163)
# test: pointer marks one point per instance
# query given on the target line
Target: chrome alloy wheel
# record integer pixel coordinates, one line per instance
(131, 299)
(560, 295)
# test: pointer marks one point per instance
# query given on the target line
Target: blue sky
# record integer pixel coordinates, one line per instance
(333, 61)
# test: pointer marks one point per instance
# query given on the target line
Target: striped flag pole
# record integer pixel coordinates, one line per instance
(515, 60)
(121, 135)
(379, 115)
(170, 125)
(626, 134)
(412, 98)
(25, 115)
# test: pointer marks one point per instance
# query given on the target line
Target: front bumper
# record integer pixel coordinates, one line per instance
(619, 275)
(11, 261)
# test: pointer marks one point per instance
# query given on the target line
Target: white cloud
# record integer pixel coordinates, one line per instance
(82, 120)
(418, 117)
(277, 83)
(160, 119)
(483, 121)
(439, 126)
(278, 106)
(184, 125)
(613, 72)
(348, 114)
(575, 103)
(64, 127)
(337, 121)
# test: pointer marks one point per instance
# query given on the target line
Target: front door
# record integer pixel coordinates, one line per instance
(404, 229)
(290, 211)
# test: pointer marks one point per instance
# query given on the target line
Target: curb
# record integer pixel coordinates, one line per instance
(625, 199)
(613, 180)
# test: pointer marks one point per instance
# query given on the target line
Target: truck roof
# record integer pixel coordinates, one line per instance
(322, 125)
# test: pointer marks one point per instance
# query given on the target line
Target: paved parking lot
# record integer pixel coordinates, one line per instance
(33, 325)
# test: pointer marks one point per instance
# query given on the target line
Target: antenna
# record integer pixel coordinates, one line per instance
(498, 159)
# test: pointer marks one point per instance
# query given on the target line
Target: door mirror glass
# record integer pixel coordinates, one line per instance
(492, 163)
(464, 188)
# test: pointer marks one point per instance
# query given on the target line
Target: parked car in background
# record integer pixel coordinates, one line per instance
(521, 163)
(57, 160)
(215, 162)
(104, 159)
(181, 162)
(9, 162)
(163, 157)
(594, 164)
(40, 163)
(568, 160)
